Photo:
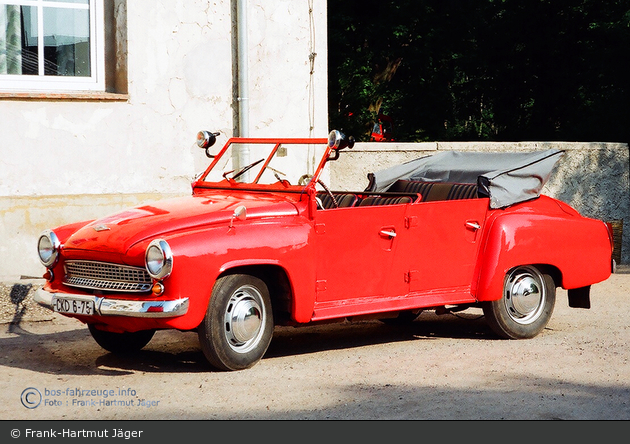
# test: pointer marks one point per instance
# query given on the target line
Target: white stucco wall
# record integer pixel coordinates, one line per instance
(64, 160)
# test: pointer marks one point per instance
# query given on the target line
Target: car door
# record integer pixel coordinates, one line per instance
(438, 249)
(355, 249)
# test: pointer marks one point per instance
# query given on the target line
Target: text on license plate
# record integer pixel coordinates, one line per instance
(73, 306)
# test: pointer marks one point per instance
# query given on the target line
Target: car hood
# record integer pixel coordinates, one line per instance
(118, 232)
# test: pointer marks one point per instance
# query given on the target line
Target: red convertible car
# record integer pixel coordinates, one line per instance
(263, 241)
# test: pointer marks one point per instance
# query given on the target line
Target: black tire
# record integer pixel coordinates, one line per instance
(528, 299)
(238, 325)
(121, 342)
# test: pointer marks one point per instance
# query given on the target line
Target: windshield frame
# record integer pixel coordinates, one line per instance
(276, 143)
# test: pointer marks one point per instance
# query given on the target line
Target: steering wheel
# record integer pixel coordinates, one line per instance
(303, 180)
(284, 182)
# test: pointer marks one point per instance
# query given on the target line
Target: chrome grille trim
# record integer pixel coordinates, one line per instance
(106, 276)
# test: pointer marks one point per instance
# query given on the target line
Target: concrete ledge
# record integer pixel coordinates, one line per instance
(407, 147)
(371, 147)
(529, 146)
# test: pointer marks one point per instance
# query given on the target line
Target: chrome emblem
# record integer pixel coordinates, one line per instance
(101, 228)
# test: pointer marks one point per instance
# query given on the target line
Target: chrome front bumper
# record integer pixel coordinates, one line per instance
(119, 307)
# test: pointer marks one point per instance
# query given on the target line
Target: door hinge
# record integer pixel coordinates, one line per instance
(412, 276)
(411, 221)
(320, 228)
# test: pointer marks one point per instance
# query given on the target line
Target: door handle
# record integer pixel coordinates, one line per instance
(473, 225)
(388, 233)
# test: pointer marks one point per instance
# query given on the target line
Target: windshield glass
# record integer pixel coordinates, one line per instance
(266, 163)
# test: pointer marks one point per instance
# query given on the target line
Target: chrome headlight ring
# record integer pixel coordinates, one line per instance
(334, 139)
(158, 259)
(48, 247)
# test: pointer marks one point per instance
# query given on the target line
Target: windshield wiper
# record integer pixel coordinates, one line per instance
(242, 170)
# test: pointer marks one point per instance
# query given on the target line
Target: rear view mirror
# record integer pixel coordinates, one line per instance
(240, 213)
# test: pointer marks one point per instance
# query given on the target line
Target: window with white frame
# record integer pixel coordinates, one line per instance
(52, 45)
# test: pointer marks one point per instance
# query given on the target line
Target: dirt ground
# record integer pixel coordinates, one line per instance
(437, 368)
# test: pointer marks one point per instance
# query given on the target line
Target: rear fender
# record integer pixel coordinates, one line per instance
(578, 247)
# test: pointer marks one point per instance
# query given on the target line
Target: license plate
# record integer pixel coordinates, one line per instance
(73, 306)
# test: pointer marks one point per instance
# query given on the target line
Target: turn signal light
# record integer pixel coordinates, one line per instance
(157, 289)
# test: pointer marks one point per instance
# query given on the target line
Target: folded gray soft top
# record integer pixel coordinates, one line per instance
(507, 178)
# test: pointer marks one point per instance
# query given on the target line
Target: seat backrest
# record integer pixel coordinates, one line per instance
(378, 201)
(434, 191)
(411, 187)
(343, 200)
(463, 191)
(439, 191)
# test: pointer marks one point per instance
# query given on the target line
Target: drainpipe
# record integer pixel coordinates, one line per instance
(243, 72)
(242, 153)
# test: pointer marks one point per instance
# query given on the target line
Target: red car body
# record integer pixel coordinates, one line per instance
(280, 254)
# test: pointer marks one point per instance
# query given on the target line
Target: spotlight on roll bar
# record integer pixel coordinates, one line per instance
(338, 141)
(205, 139)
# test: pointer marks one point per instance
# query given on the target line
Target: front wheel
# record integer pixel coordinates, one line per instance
(238, 325)
(529, 296)
(121, 342)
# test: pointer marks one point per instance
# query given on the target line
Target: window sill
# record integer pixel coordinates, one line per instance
(76, 96)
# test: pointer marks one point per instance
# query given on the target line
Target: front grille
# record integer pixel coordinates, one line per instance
(103, 276)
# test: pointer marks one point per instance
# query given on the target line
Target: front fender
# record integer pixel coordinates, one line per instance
(578, 247)
(65, 231)
(201, 256)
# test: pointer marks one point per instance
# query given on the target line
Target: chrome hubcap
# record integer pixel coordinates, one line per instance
(244, 318)
(525, 295)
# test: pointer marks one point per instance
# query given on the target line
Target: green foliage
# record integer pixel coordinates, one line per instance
(484, 70)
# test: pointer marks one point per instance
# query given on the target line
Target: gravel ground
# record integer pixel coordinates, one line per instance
(437, 368)
(17, 304)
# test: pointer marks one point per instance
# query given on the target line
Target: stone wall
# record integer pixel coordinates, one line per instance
(592, 177)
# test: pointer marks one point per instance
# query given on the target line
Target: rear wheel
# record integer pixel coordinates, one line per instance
(238, 325)
(528, 299)
(121, 342)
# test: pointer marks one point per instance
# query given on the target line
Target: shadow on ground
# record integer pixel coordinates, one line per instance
(74, 352)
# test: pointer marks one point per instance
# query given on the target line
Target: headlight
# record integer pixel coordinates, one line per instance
(48, 248)
(158, 259)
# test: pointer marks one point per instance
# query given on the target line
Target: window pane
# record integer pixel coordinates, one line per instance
(51, 45)
(67, 42)
(83, 2)
(30, 50)
(16, 57)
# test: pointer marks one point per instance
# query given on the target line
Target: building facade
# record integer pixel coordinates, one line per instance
(101, 100)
